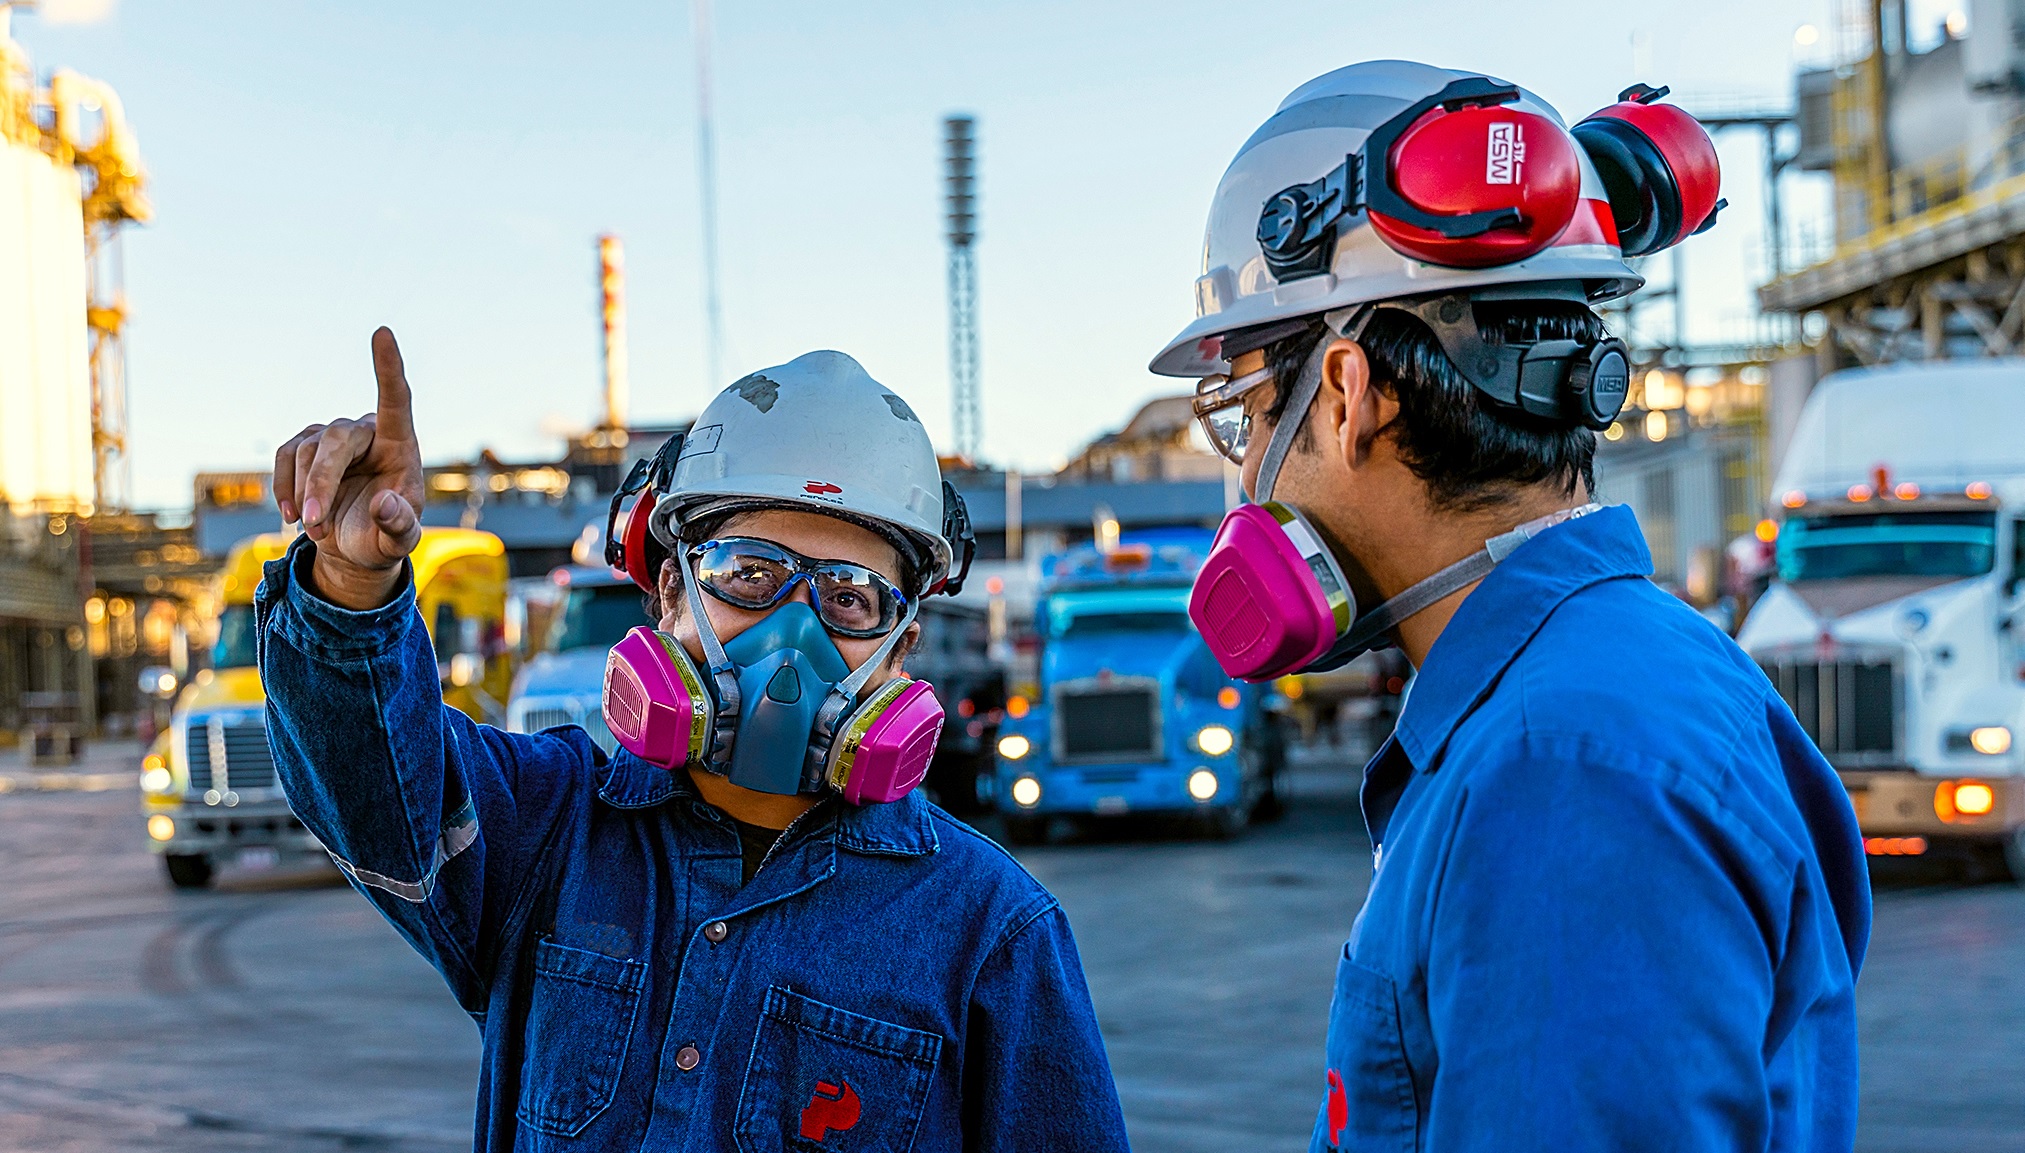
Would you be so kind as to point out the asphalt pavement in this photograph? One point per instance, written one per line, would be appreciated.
(278, 1012)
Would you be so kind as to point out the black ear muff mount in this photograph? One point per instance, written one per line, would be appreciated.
(962, 540)
(1658, 166)
(1580, 382)
(628, 544)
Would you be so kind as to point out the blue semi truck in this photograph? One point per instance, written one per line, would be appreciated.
(1132, 714)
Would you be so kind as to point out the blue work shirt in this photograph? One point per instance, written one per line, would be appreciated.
(888, 980)
(1620, 899)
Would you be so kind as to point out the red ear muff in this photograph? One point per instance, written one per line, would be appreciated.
(1455, 164)
(1659, 169)
(1460, 178)
(632, 539)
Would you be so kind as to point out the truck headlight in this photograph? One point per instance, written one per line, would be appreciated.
(1202, 784)
(1026, 792)
(162, 827)
(1990, 740)
(155, 775)
(1215, 740)
(1012, 747)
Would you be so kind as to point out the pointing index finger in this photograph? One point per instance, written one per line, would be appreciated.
(396, 417)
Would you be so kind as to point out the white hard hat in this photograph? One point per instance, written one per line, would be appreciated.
(1315, 128)
(817, 433)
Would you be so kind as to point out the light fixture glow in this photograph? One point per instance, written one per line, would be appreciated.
(162, 827)
(1012, 746)
(1026, 792)
(156, 780)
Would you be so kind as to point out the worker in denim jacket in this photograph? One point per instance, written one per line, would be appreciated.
(756, 936)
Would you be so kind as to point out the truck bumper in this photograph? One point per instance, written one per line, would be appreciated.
(1901, 812)
(1112, 790)
(219, 833)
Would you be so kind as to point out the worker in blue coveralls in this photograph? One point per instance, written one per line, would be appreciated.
(1619, 899)
(746, 930)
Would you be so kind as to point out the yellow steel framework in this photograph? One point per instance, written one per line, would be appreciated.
(79, 122)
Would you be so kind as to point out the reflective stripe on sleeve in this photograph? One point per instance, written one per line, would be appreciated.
(457, 835)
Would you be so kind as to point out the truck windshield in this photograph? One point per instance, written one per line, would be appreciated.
(1091, 624)
(1920, 544)
(597, 616)
(236, 648)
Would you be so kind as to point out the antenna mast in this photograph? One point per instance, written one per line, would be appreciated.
(960, 168)
(706, 175)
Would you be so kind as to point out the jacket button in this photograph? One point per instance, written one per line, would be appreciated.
(716, 931)
(687, 1058)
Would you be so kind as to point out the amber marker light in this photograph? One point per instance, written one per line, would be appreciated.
(1858, 493)
(1227, 697)
(1767, 531)
(1906, 490)
(1794, 499)
(1016, 707)
(1979, 490)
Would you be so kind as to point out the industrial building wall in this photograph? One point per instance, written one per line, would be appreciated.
(45, 382)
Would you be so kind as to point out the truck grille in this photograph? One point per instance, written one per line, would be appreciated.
(1848, 705)
(230, 754)
(1114, 721)
(534, 716)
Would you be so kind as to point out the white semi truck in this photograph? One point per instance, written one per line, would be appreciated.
(1895, 626)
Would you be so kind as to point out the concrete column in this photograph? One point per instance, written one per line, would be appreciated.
(1791, 382)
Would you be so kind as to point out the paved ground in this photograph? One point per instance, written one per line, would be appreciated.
(279, 1013)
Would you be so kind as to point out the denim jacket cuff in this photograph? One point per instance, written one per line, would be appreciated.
(322, 629)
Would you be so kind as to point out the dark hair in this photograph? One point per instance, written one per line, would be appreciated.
(1470, 454)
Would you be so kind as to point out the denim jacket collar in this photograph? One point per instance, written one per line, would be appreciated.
(899, 829)
(1499, 618)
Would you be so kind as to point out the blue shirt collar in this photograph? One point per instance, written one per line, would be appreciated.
(1499, 618)
(902, 828)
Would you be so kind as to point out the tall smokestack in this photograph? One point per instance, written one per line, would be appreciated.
(612, 300)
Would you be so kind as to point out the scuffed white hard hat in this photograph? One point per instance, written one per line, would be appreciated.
(817, 433)
(1315, 127)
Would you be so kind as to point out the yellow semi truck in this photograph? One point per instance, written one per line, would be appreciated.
(208, 788)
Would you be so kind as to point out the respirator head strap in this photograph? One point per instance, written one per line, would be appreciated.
(842, 698)
(723, 674)
(1346, 324)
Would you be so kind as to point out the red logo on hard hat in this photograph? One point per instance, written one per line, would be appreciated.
(821, 486)
(1339, 1109)
(830, 1108)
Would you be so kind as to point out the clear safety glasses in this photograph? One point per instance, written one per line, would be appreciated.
(1220, 406)
(746, 573)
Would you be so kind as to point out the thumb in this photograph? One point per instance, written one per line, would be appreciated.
(400, 527)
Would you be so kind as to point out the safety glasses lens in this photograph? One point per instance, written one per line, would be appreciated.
(755, 574)
(1229, 430)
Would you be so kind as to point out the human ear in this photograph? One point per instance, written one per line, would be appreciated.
(905, 647)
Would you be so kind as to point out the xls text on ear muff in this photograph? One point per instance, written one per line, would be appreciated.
(1658, 166)
(1460, 178)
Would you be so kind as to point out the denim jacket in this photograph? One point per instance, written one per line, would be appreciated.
(1620, 900)
(889, 980)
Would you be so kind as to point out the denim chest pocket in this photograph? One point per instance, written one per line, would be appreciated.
(824, 1079)
(579, 1024)
(1370, 1103)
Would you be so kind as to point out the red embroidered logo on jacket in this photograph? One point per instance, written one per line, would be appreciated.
(830, 1107)
(1339, 1109)
(821, 486)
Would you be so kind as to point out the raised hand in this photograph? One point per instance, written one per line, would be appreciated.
(356, 486)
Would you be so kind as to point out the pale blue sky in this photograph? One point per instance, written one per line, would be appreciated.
(443, 168)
